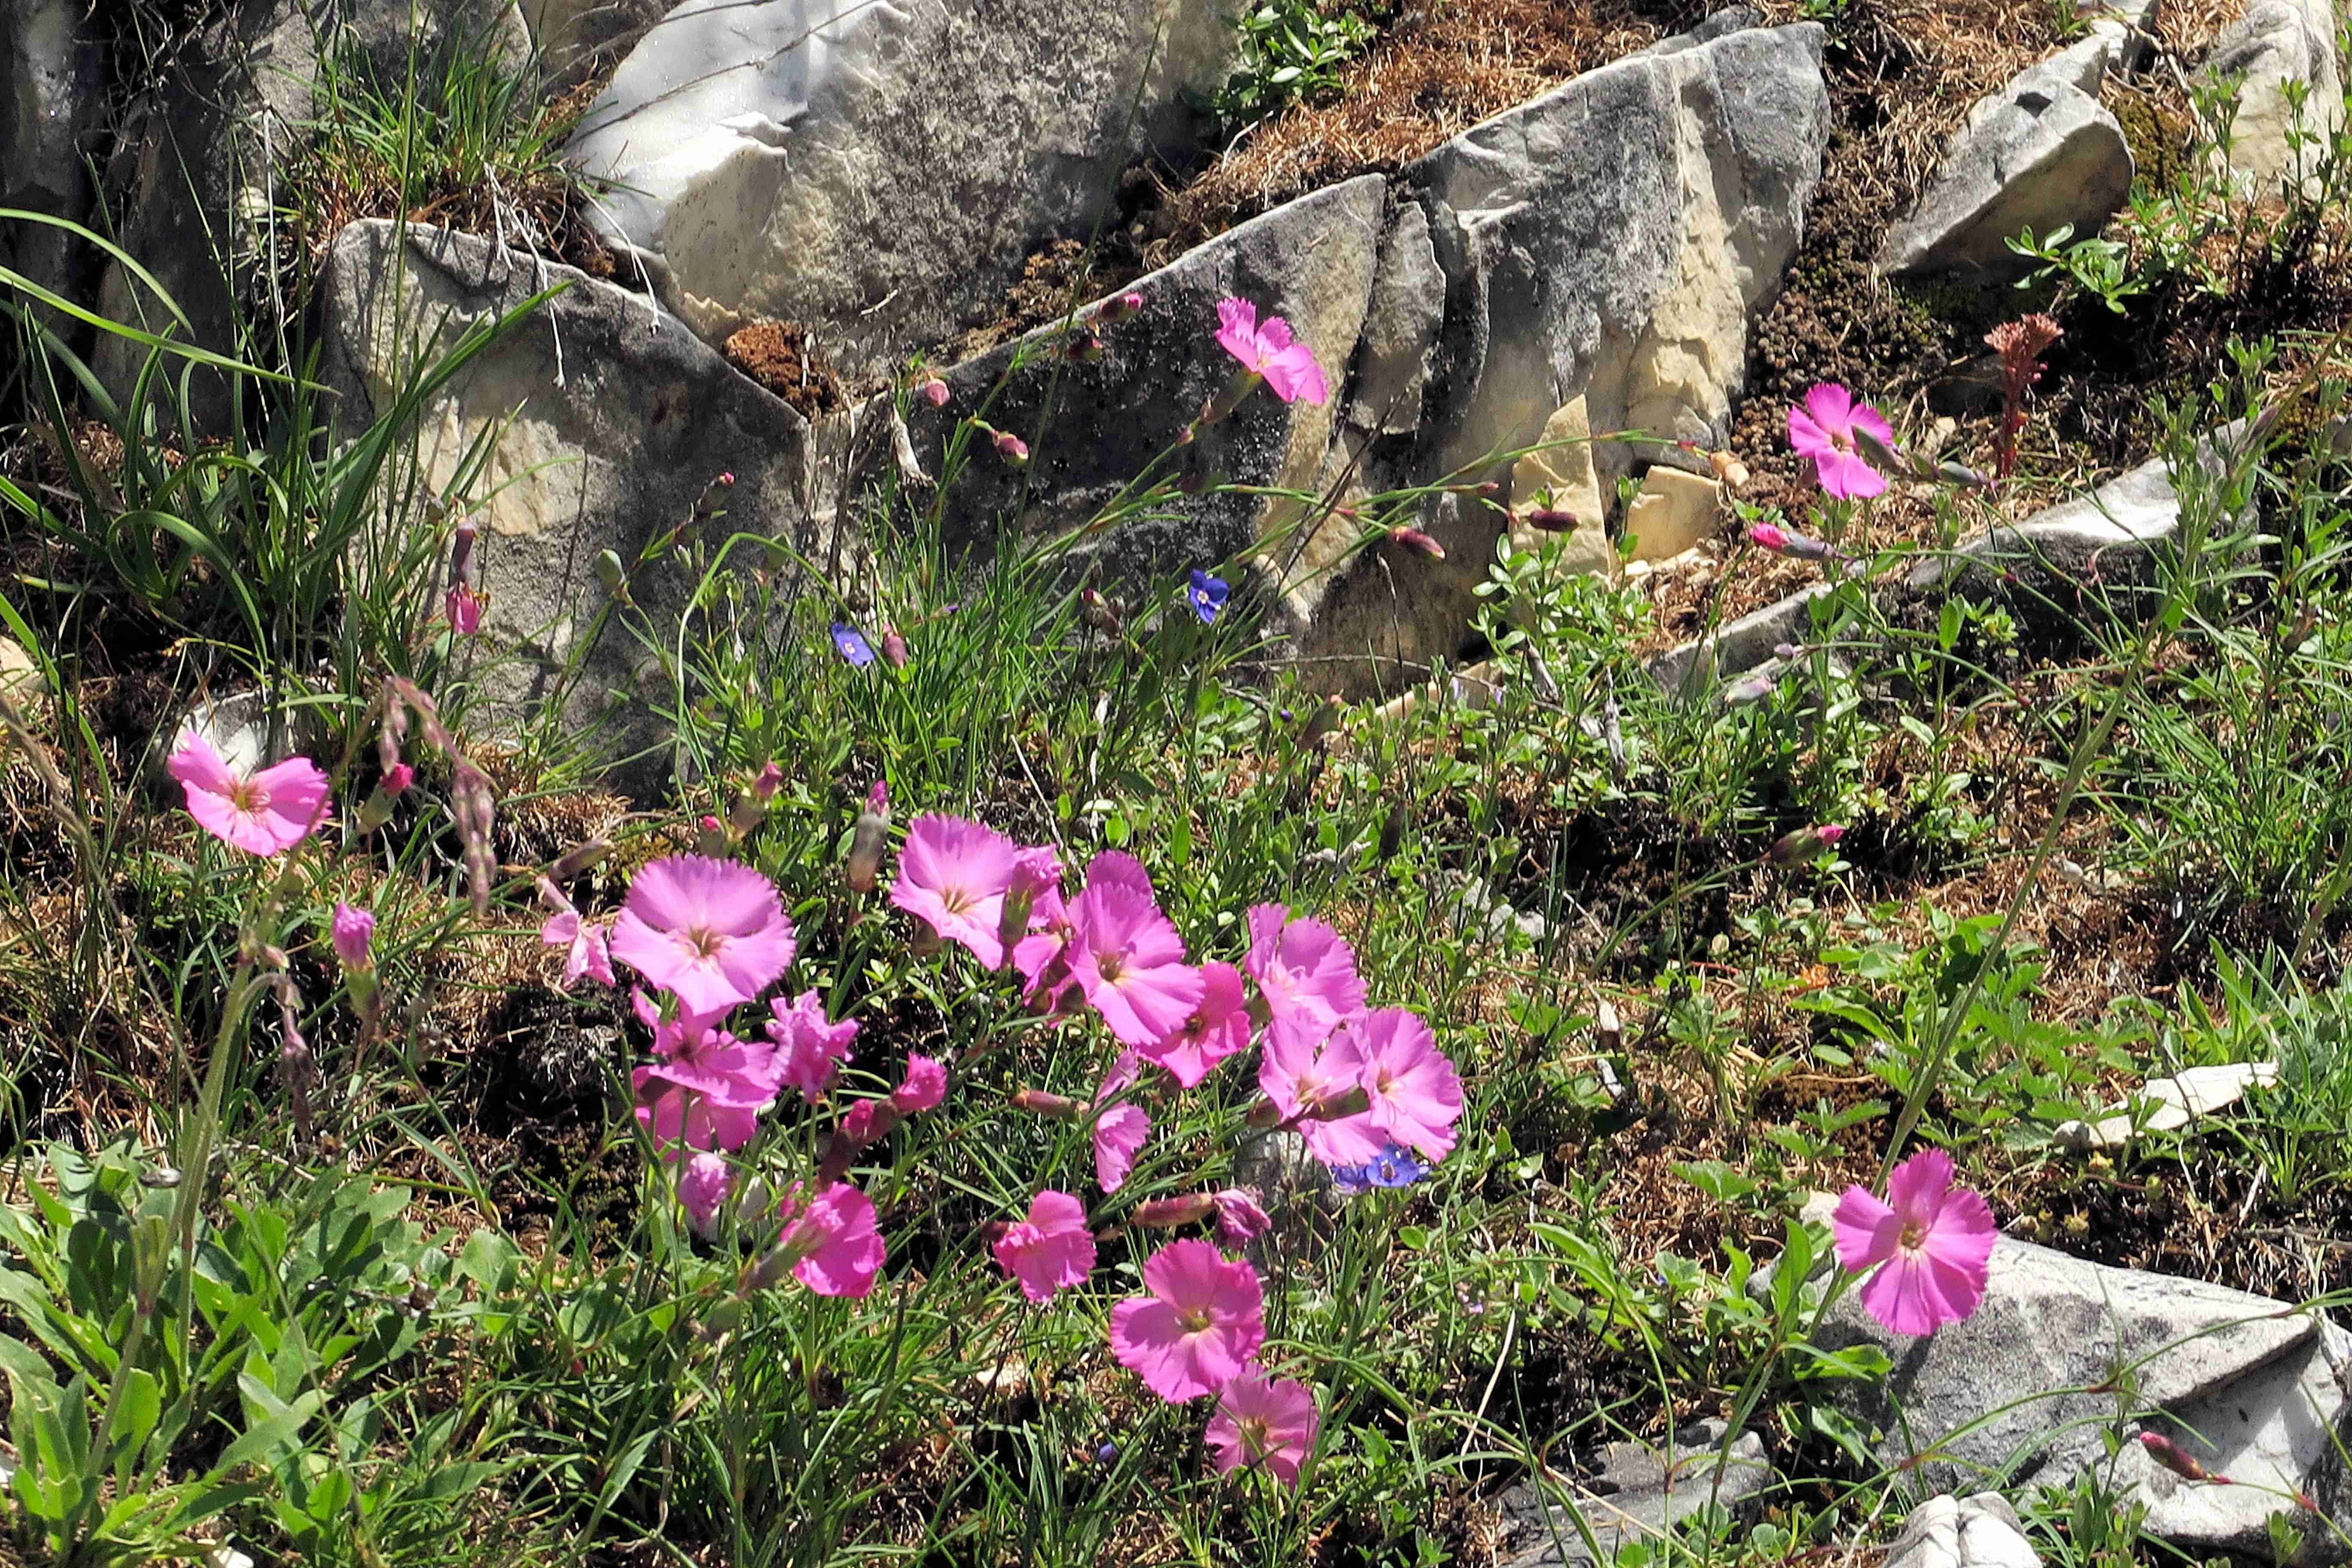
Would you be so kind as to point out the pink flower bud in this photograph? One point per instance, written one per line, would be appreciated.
(1240, 1220)
(353, 931)
(1550, 520)
(1011, 447)
(1421, 543)
(868, 840)
(1083, 348)
(770, 779)
(2177, 1459)
(868, 1121)
(932, 390)
(894, 648)
(1168, 1214)
(1038, 1102)
(1803, 846)
(1765, 536)
(397, 779)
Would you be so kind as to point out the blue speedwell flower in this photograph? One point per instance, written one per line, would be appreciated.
(851, 645)
(1392, 1167)
(1208, 596)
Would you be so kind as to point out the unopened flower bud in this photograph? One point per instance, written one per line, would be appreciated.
(1354, 1101)
(1240, 1219)
(747, 812)
(1011, 447)
(1038, 1102)
(1098, 613)
(710, 839)
(580, 857)
(613, 575)
(932, 390)
(1550, 520)
(868, 839)
(894, 648)
(1878, 452)
(1421, 543)
(1804, 846)
(2177, 1459)
(1168, 1214)
(1754, 689)
(868, 1121)
(1119, 307)
(1191, 482)
(1083, 348)
(1957, 473)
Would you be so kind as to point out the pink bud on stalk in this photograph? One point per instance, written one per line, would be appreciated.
(1039, 1103)
(580, 857)
(1009, 447)
(1083, 348)
(353, 933)
(1550, 520)
(1804, 846)
(1421, 543)
(472, 803)
(894, 648)
(710, 838)
(868, 839)
(932, 390)
(1240, 1220)
(1170, 1213)
(2179, 1460)
(1796, 546)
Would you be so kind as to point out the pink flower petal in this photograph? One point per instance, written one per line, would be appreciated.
(1830, 405)
(1118, 1133)
(1863, 1229)
(1917, 1186)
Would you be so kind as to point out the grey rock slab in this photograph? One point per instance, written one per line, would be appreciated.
(1947, 1531)
(1988, 1395)
(1408, 309)
(1607, 242)
(52, 80)
(876, 169)
(608, 419)
(1737, 646)
(1642, 1492)
(2277, 43)
(2278, 1433)
(2039, 154)
(1311, 262)
(193, 169)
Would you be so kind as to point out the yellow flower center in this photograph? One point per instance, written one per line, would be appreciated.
(1914, 1236)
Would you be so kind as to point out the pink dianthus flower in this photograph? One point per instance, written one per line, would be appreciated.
(1306, 973)
(1263, 1423)
(1201, 1321)
(1306, 1079)
(925, 1085)
(712, 931)
(1269, 351)
(952, 875)
(1931, 1247)
(1416, 1095)
(1218, 1027)
(703, 1187)
(837, 1248)
(264, 812)
(1822, 427)
(1050, 1249)
(809, 1051)
(1125, 955)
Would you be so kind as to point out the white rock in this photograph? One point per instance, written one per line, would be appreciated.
(1947, 1531)
(2176, 1102)
(2039, 154)
(873, 169)
(1673, 513)
(2276, 43)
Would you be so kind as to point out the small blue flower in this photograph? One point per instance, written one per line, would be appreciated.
(851, 645)
(1208, 596)
(1352, 1181)
(1106, 1453)
(1394, 1168)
